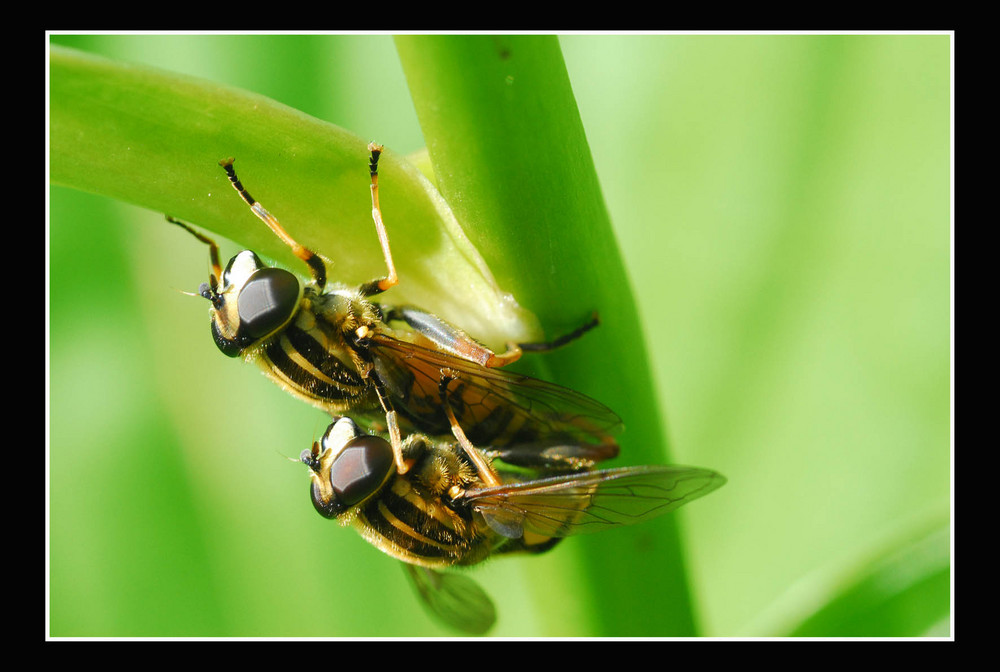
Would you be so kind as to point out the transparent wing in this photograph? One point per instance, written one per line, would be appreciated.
(591, 501)
(455, 599)
(493, 406)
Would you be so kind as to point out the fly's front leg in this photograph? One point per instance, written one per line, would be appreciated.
(483, 467)
(316, 265)
(380, 285)
(215, 268)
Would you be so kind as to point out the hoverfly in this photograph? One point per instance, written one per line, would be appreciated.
(334, 347)
(442, 514)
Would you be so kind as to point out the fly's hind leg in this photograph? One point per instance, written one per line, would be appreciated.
(515, 350)
(564, 339)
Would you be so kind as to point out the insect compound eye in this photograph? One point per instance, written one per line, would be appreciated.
(230, 347)
(266, 302)
(361, 469)
(227, 333)
(328, 507)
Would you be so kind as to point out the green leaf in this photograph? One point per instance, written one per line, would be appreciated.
(154, 139)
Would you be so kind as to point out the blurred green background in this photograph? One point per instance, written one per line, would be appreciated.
(783, 207)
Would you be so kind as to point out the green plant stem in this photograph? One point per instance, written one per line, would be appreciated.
(511, 157)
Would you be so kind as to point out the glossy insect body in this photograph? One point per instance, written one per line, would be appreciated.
(440, 513)
(401, 369)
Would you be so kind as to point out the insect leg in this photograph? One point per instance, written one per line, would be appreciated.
(215, 272)
(396, 441)
(316, 266)
(380, 285)
(515, 350)
(392, 425)
(483, 468)
(564, 339)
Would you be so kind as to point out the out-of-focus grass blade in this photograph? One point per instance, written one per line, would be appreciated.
(900, 589)
(903, 593)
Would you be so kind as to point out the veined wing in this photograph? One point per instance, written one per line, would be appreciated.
(591, 501)
(492, 405)
(455, 599)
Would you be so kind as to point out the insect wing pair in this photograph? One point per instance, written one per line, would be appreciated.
(440, 514)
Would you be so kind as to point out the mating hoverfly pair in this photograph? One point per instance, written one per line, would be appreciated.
(477, 461)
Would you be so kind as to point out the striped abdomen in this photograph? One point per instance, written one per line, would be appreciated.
(420, 530)
(314, 365)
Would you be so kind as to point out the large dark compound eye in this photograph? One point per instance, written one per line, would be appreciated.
(230, 347)
(357, 473)
(254, 302)
(361, 469)
(267, 302)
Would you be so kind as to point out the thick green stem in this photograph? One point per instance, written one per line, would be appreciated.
(511, 157)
